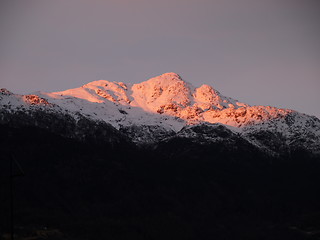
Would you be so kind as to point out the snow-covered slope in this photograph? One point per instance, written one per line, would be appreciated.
(160, 100)
(161, 106)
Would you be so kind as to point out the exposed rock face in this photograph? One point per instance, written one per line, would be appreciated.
(4, 91)
(35, 100)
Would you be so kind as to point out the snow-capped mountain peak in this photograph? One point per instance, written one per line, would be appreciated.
(96, 91)
(157, 100)
(164, 90)
(166, 94)
(165, 104)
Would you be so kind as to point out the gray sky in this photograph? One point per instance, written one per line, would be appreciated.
(262, 52)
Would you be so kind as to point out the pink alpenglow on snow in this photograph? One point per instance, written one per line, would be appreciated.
(166, 100)
(167, 103)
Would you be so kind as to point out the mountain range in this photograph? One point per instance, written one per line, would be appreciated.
(160, 159)
(166, 107)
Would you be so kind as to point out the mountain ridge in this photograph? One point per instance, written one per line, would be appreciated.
(100, 166)
(153, 110)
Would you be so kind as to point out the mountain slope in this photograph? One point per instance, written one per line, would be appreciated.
(151, 111)
(156, 160)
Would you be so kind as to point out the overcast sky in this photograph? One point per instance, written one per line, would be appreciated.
(262, 52)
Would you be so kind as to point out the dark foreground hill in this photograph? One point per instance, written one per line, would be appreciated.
(179, 189)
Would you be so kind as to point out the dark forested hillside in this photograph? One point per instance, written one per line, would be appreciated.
(178, 189)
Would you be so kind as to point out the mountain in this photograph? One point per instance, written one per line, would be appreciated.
(166, 107)
(161, 159)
